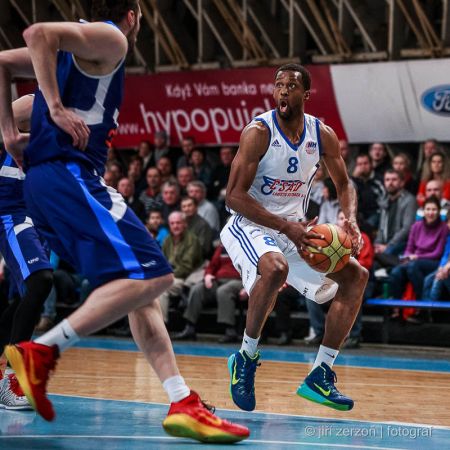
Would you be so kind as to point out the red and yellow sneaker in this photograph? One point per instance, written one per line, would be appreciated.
(32, 364)
(191, 418)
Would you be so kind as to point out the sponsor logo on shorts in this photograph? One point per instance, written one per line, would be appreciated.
(282, 188)
(151, 263)
(305, 291)
(33, 260)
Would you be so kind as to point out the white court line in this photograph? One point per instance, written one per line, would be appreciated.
(153, 438)
(352, 383)
(406, 424)
(308, 363)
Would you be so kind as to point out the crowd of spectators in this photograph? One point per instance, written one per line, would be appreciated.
(179, 194)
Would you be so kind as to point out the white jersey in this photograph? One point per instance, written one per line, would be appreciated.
(284, 176)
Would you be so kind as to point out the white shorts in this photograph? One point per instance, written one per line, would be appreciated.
(246, 242)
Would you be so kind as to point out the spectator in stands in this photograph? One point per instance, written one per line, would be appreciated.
(426, 149)
(197, 225)
(425, 246)
(330, 206)
(145, 151)
(220, 174)
(437, 284)
(110, 179)
(184, 253)
(116, 169)
(184, 176)
(369, 189)
(187, 145)
(113, 157)
(135, 174)
(434, 188)
(155, 225)
(197, 190)
(380, 158)
(317, 312)
(170, 199)
(288, 298)
(437, 167)
(202, 169)
(160, 143)
(348, 155)
(219, 180)
(402, 164)
(164, 165)
(126, 188)
(398, 211)
(222, 285)
(151, 197)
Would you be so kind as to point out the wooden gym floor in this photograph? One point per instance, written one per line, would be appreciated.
(107, 396)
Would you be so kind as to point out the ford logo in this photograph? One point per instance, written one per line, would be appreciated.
(437, 100)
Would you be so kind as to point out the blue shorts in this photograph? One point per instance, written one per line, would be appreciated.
(89, 224)
(21, 248)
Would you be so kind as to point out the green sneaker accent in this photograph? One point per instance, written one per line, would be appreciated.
(307, 393)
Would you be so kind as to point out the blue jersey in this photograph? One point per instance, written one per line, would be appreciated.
(96, 99)
(11, 186)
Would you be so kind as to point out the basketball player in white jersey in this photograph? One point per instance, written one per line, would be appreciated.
(268, 192)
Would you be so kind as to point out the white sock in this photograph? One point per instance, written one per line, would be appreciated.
(249, 344)
(62, 335)
(176, 388)
(327, 355)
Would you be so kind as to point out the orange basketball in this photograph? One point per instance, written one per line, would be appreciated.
(336, 249)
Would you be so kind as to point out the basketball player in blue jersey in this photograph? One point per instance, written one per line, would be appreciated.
(26, 259)
(268, 192)
(80, 72)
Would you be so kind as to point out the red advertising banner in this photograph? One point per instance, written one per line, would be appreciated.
(212, 105)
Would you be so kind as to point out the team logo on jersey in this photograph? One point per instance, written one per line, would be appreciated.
(281, 188)
(275, 143)
(310, 147)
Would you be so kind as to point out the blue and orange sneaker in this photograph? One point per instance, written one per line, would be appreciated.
(242, 368)
(319, 387)
(32, 364)
(192, 418)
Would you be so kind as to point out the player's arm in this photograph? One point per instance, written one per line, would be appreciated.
(13, 64)
(98, 43)
(252, 146)
(345, 190)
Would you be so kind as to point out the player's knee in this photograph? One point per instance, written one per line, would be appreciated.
(278, 272)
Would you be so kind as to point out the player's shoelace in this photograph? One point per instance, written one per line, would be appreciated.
(330, 378)
(246, 374)
(208, 406)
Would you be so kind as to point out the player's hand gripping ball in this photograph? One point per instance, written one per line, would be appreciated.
(336, 247)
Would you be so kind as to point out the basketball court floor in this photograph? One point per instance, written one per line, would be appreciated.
(106, 396)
